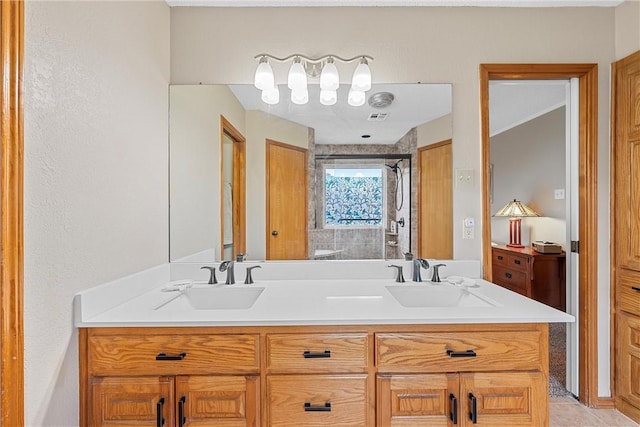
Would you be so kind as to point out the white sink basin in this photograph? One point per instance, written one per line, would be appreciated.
(221, 297)
(429, 295)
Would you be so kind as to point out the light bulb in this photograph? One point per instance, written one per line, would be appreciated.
(361, 80)
(329, 77)
(297, 79)
(263, 79)
(328, 97)
(356, 98)
(271, 96)
(300, 96)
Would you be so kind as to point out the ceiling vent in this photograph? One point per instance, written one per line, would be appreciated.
(377, 117)
(381, 99)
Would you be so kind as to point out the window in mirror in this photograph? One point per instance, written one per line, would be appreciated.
(354, 196)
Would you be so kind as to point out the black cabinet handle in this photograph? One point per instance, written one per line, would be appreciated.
(181, 418)
(159, 413)
(165, 356)
(473, 415)
(500, 257)
(309, 408)
(453, 415)
(468, 353)
(516, 261)
(635, 288)
(310, 355)
(508, 275)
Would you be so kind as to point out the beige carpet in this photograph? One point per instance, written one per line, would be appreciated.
(557, 360)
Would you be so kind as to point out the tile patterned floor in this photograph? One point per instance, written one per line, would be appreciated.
(568, 412)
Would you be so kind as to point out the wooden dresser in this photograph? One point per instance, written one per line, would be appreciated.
(532, 274)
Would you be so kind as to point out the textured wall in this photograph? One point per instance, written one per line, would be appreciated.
(96, 76)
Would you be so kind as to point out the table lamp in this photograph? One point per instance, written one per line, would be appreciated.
(515, 210)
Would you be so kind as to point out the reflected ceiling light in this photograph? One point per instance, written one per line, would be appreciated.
(303, 68)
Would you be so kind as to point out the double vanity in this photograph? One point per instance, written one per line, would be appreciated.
(312, 344)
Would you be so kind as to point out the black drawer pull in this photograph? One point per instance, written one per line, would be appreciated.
(310, 355)
(516, 261)
(508, 275)
(325, 408)
(500, 257)
(635, 288)
(181, 418)
(165, 356)
(159, 413)
(468, 353)
(473, 415)
(453, 415)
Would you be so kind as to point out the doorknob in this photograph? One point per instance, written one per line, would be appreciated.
(274, 233)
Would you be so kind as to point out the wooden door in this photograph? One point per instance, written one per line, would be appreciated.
(132, 402)
(232, 191)
(435, 202)
(229, 401)
(626, 232)
(425, 400)
(286, 201)
(508, 399)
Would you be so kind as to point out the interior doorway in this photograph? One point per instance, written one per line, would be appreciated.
(586, 314)
(232, 191)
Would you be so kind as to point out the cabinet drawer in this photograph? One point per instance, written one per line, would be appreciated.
(628, 291)
(316, 353)
(459, 351)
(173, 354)
(317, 400)
(518, 262)
(511, 279)
(499, 258)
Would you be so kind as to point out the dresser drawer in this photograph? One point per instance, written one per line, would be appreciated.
(317, 400)
(628, 293)
(459, 351)
(173, 354)
(499, 258)
(316, 353)
(511, 279)
(518, 262)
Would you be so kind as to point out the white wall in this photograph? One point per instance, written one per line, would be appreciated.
(96, 76)
(437, 130)
(528, 165)
(627, 28)
(429, 45)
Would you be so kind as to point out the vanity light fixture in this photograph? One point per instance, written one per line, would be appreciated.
(303, 68)
(515, 210)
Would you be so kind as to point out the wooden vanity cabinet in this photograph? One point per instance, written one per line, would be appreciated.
(315, 376)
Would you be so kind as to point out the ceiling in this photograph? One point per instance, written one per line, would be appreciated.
(413, 105)
(397, 3)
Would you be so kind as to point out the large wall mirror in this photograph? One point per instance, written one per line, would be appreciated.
(310, 181)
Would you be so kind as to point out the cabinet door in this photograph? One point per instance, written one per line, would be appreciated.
(133, 401)
(229, 401)
(427, 400)
(504, 399)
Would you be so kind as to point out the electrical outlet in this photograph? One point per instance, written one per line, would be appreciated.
(468, 229)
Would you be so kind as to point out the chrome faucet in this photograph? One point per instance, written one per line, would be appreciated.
(417, 264)
(228, 267)
(212, 275)
(399, 276)
(436, 274)
(249, 280)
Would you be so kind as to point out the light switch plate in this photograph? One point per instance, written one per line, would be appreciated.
(464, 178)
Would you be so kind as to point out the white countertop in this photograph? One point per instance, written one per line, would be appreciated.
(320, 302)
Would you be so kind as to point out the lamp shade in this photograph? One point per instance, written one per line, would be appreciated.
(361, 80)
(263, 78)
(356, 98)
(329, 77)
(297, 78)
(516, 208)
(271, 96)
(300, 96)
(328, 97)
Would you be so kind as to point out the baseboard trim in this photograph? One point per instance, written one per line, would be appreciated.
(605, 403)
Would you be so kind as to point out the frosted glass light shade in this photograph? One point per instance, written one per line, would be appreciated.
(297, 79)
(361, 80)
(271, 96)
(356, 98)
(328, 97)
(329, 77)
(300, 96)
(263, 78)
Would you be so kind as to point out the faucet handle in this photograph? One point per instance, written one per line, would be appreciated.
(212, 274)
(249, 279)
(436, 273)
(399, 275)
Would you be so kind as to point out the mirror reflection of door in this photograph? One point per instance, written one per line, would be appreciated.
(435, 216)
(286, 201)
(232, 191)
